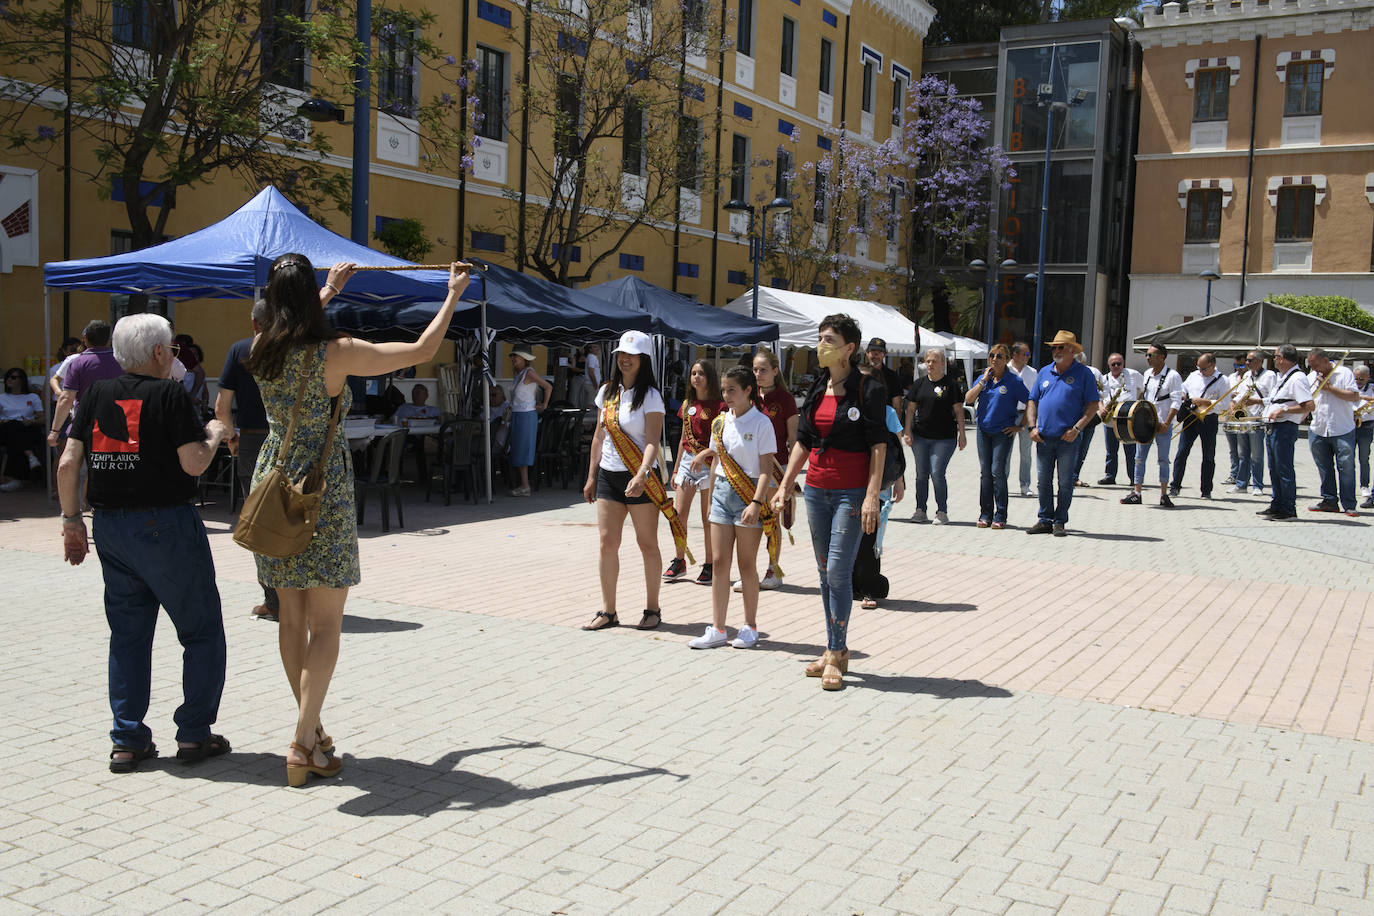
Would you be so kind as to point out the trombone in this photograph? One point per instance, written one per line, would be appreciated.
(1326, 378)
(1198, 415)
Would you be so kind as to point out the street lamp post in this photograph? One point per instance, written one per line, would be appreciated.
(756, 243)
(1045, 98)
(1209, 275)
(990, 290)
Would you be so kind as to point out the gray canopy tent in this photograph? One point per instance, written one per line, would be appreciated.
(1261, 325)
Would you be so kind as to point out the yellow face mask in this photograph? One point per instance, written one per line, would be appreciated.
(830, 356)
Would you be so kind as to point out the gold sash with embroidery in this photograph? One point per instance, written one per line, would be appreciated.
(744, 487)
(633, 456)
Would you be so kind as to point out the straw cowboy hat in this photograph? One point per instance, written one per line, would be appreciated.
(1067, 337)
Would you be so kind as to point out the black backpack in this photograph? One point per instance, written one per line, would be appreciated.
(894, 465)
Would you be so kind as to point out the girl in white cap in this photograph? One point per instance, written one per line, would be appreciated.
(524, 426)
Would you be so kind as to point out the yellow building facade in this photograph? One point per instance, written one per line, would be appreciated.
(772, 98)
(1297, 75)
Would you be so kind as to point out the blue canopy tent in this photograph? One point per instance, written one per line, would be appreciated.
(677, 317)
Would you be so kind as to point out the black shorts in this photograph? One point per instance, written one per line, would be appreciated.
(611, 485)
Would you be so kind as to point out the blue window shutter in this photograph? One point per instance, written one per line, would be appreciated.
(685, 269)
(631, 261)
(493, 13)
(823, 142)
(829, 18)
(744, 111)
(736, 277)
(488, 241)
(786, 127)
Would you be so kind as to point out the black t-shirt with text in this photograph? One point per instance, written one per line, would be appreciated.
(935, 403)
(132, 427)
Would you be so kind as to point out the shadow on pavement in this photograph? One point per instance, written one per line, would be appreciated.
(1112, 536)
(942, 687)
(924, 607)
(355, 624)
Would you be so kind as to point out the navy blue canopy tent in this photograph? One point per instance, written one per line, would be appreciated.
(677, 317)
(230, 259)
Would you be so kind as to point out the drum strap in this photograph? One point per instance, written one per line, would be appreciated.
(1279, 400)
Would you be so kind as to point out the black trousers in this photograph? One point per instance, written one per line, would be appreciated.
(1206, 430)
(868, 580)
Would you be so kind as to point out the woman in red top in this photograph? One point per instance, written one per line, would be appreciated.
(842, 438)
(699, 408)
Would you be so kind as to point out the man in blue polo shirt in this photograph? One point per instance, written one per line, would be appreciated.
(1061, 404)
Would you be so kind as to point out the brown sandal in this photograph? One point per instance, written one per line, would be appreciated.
(817, 668)
(831, 677)
(297, 773)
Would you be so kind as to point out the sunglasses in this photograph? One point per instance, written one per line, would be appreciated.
(997, 356)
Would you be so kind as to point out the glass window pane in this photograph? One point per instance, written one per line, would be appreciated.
(827, 50)
(745, 35)
(789, 46)
(739, 167)
(1075, 69)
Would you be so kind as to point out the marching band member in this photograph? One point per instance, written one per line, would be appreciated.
(1203, 387)
(1233, 382)
(1062, 402)
(1118, 384)
(1164, 388)
(1283, 410)
(742, 447)
(1250, 398)
(1364, 431)
(1331, 433)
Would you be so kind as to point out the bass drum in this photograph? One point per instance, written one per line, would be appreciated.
(1135, 422)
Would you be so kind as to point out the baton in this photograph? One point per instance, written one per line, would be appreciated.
(470, 267)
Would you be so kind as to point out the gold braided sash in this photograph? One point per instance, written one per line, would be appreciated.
(633, 456)
(744, 486)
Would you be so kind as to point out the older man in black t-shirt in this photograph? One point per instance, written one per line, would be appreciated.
(144, 447)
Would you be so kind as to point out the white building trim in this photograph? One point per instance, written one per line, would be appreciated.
(1226, 185)
(1191, 68)
(1327, 55)
(1279, 181)
(1221, 21)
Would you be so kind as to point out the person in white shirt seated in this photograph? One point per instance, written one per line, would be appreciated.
(21, 429)
(418, 408)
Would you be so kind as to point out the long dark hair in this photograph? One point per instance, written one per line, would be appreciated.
(644, 380)
(712, 385)
(17, 370)
(745, 379)
(295, 317)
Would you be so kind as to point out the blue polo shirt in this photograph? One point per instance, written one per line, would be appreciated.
(1061, 399)
(997, 403)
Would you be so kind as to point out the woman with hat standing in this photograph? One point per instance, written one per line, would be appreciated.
(1062, 403)
(524, 427)
(622, 480)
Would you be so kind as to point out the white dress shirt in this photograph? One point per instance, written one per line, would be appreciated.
(1261, 386)
(1332, 416)
(1291, 388)
(1164, 390)
(1207, 388)
(1027, 374)
(1129, 383)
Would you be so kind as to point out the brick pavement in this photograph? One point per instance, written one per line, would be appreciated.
(991, 755)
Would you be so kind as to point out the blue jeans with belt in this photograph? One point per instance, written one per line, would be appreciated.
(1055, 457)
(1278, 443)
(835, 520)
(152, 557)
(994, 461)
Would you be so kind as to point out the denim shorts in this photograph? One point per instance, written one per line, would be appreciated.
(727, 507)
(685, 476)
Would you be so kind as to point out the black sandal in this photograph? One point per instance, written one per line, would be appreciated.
(137, 756)
(213, 746)
(658, 618)
(611, 620)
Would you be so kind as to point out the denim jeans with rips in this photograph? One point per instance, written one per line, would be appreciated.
(835, 520)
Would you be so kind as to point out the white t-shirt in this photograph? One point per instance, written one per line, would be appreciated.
(593, 370)
(749, 440)
(1028, 375)
(1332, 416)
(416, 412)
(60, 370)
(1291, 388)
(20, 406)
(631, 423)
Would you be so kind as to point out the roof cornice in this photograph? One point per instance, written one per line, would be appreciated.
(1236, 20)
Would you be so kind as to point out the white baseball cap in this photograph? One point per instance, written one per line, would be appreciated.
(635, 342)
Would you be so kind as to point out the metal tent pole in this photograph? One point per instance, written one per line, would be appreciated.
(486, 399)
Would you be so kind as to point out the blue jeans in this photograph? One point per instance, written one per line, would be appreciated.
(1084, 440)
(1250, 460)
(932, 457)
(1024, 443)
(1054, 454)
(1142, 457)
(994, 461)
(1363, 435)
(152, 557)
(1341, 451)
(836, 528)
(1233, 449)
(1278, 443)
(1206, 430)
(1112, 443)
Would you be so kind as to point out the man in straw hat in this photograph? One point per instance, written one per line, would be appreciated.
(1061, 404)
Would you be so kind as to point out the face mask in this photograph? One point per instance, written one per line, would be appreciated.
(830, 356)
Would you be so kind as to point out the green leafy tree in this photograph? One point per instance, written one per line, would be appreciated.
(405, 238)
(170, 94)
(1332, 308)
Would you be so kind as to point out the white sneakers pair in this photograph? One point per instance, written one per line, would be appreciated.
(746, 638)
(920, 517)
(766, 584)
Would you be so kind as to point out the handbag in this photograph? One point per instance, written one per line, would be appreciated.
(279, 516)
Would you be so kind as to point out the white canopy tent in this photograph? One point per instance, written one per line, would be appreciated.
(798, 314)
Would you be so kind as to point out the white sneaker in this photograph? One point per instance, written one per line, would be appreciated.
(738, 587)
(942, 518)
(769, 582)
(11, 485)
(1258, 491)
(746, 638)
(711, 639)
(1025, 491)
(34, 463)
(919, 517)
(1239, 488)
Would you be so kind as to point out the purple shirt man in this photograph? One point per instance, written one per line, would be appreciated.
(98, 362)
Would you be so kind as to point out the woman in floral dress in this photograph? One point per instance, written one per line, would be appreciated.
(313, 585)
